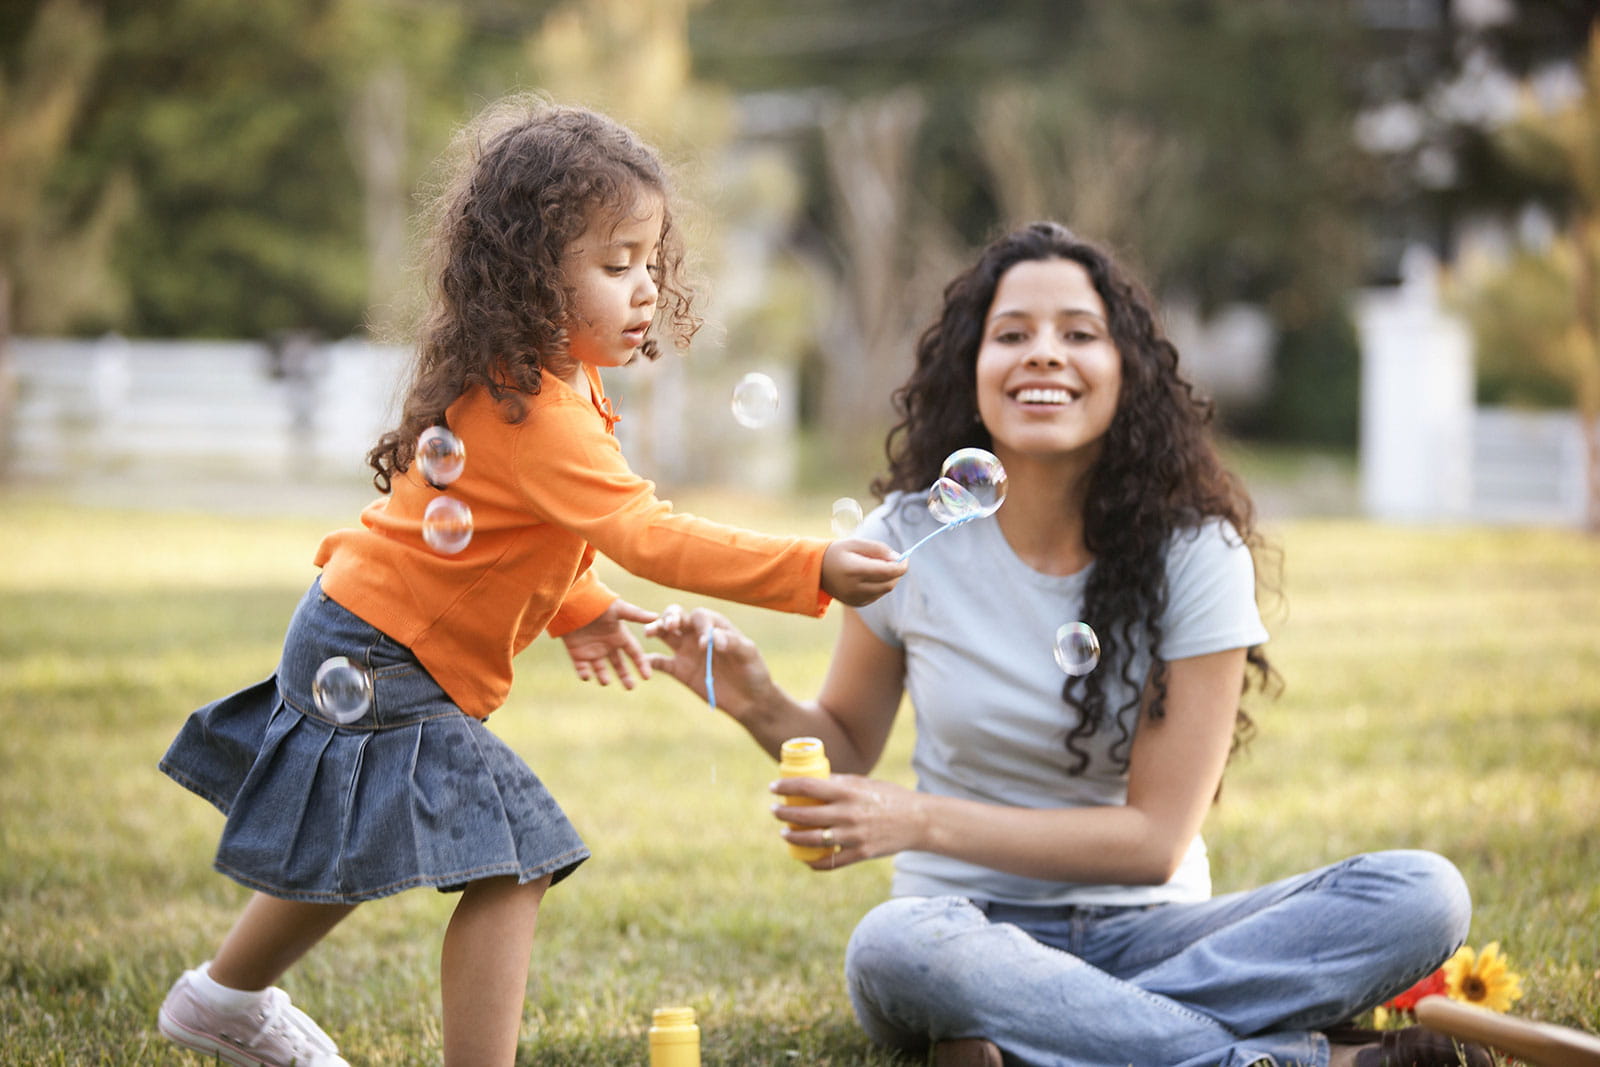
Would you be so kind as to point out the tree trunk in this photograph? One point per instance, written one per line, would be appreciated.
(894, 261)
(378, 130)
(1586, 373)
(8, 383)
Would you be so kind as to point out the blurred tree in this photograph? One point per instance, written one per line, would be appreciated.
(1545, 305)
(1208, 142)
(273, 147)
(56, 232)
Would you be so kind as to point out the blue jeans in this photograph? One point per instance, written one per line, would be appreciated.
(1246, 978)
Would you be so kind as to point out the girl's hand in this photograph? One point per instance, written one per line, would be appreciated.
(857, 572)
(738, 671)
(862, 818)
(606, 645)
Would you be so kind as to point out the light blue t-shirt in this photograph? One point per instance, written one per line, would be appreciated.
(977, 627)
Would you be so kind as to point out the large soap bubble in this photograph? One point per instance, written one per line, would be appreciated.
(971, 485)
(447, 525)
(755, 400)
(441, 456)
(342, 691)
(846, 516)
(1077, 648)
(979, 473)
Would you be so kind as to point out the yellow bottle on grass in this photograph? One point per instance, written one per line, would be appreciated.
(803, 757)
(674, 1038)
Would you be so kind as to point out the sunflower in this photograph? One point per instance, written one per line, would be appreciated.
(1484, 979)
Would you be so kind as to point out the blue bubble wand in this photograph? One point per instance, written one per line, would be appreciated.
(711, 685)
(951, 525)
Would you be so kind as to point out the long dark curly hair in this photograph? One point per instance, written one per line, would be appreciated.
(523, 180)
(1157, 473)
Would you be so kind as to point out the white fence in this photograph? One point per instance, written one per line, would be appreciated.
(119, 413)
(162, 416)
(1528, 467)
(164, 410)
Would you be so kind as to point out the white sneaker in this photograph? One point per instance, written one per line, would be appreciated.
(275, 1033)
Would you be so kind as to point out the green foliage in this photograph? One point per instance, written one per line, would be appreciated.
(1219, 130)
(55, 233)
(1315, 397)
(1521, 315)
(243, 128)
(1443, 691)
(250, 219)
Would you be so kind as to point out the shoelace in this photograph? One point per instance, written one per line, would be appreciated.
(281, 1018)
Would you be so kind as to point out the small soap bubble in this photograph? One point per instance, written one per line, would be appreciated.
(846, 517)
(981, 475)
(755, 400)
(342, 690)
(950, 503)
(441, 456)
(447, 525)
(1077, 648)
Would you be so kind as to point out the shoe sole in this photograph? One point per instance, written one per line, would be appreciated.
(195, 1041)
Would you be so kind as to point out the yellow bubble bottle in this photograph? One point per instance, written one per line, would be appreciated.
(674, 1038)
(803, 757)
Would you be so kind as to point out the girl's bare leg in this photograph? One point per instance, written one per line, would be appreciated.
(269, 936)
(484, 970)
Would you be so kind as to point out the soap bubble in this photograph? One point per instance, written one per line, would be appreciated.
(949, 502)
(342, 691)
(971, 485)
(1077, 648)
(981, 475)
(846, 516)
(755, 400)
(440, 456)
(447, 525)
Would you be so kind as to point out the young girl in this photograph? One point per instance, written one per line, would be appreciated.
(1052, 896)
(554, 254)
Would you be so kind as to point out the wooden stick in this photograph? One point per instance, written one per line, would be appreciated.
(1544, 1044)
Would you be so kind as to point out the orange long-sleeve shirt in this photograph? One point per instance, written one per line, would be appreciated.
(545, 494)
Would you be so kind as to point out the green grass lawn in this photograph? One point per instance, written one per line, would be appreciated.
(1442, 691)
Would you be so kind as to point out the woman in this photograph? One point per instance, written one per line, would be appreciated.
(1052, 901)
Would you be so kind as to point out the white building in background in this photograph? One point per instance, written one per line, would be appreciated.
(1428, 452)
(1416, 400)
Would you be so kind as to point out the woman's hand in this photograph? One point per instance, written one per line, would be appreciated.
(860, 818)
(857, 571)
(606, 645)
(738, 672)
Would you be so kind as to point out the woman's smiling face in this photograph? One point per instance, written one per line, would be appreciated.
(1048, 373)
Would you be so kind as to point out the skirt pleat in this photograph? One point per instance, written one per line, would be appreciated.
(414, 793)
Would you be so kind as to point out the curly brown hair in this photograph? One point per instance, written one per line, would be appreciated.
(1158, 472)
(524, 179)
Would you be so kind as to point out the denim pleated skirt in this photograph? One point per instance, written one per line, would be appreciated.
(413, 793)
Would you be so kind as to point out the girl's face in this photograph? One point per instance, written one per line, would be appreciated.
(1048, 373)
(611, 268)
